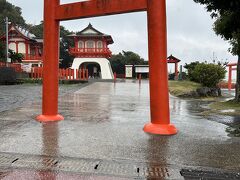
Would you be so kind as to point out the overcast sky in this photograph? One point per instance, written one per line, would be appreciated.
(190, 34)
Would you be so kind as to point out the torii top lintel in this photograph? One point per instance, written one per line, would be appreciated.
(94, 8)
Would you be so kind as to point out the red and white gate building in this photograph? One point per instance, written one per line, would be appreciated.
(91, 52)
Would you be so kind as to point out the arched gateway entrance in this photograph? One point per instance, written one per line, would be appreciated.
(54, 12)
(102, 65)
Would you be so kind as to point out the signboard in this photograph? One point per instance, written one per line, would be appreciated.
(142, 69)
(26, 67)
(128, 71)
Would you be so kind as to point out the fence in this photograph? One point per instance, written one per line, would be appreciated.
(122, 76)
(63, 74)
(16, 67)
(225, 85)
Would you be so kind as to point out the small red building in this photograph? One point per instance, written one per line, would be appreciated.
(22, 41)
(91, 52)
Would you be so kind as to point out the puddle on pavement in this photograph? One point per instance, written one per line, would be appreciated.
(228, 111)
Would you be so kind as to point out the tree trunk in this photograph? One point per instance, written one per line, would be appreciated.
(237, 95)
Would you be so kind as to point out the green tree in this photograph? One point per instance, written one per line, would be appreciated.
(37, 30)
(227, 25)
(190, 68)
(2, 51)
(119, 61)
(65, 43)
(15, 57)
(208, 74)
(14, 14)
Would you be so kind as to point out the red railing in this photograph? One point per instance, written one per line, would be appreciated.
(63, 74)
(16, 67)
(31, 57)
(122, 76)
(96, 52)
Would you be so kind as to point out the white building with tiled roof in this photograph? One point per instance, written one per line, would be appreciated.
(22, 41)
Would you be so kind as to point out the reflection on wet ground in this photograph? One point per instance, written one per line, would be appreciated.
(103, 130)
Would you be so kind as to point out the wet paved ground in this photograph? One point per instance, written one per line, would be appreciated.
(102, 138)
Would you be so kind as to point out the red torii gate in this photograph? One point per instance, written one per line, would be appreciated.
(230, 69)
(172, 59)
(54, 12)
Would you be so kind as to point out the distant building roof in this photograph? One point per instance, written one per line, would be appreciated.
(172, 59)
(90, 31)
(23, 32)
(39, 40)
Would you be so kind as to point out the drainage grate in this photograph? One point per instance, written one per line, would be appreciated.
(85, 166)
(209, 175)
(76, 165)
(155, 171)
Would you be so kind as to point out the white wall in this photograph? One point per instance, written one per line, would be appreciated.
(142, 69)
(16, 39)
(21, 48)
(12, 46)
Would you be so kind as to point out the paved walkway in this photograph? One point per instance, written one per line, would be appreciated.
(102, 133)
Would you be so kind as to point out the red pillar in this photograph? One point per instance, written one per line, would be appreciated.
(50, 60)
(84, 70)
(16, 47)
(76, 43)
(76, 72)
(26, 50)
(230, 78)
(37, 69)
(176, 71)
(67, 74)
(36, 52)
(115, 76)
(79, 74)
(159, 97)
(32, 73)
(64, 73)
(86, 74)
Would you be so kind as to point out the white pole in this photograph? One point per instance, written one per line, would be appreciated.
(7, 59)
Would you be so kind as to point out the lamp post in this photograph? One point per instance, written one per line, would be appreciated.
(7, 47)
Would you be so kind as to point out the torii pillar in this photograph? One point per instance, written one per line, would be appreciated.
(50, 64)
(157, 34)
(159, 94)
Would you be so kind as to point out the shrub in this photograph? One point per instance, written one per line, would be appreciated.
(15, 57)
(171, 76)
(190, 67)
(208, 75)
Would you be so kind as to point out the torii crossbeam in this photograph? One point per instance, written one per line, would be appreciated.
(54, 12)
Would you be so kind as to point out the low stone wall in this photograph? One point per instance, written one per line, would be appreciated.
(203, 92)
(7, 76)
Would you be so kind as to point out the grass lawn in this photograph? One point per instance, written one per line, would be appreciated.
(178, 88)
(226, 108)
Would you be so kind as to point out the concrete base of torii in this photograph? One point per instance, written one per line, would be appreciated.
(105, 66)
